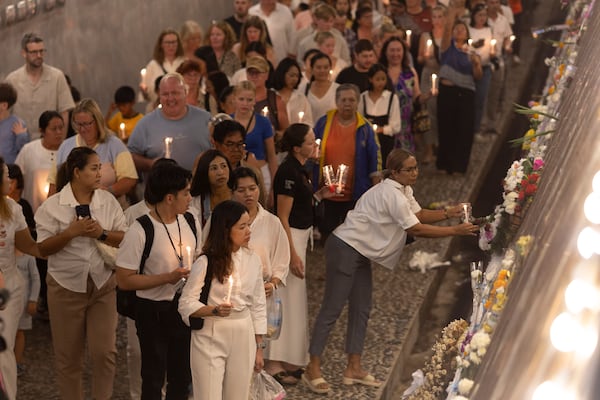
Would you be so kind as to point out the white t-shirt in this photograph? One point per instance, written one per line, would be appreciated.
(484, 33)
(71, 266)
(8, 228)
(135, 211)
(500, 30)
(35, 162)
(320, 106)
(377, 225)
(162, 258)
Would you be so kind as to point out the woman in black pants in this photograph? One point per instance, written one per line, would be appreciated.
(456, 99)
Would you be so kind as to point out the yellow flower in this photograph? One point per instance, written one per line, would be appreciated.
(551, 89)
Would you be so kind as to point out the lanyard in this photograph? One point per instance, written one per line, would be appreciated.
(180, 254)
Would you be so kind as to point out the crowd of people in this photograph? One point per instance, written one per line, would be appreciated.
(285, 122)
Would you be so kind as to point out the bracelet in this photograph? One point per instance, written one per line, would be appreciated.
(215, 311)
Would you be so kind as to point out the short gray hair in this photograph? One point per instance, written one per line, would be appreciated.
(30, 37)
(344, 87)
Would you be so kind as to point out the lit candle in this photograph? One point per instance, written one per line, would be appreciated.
(122, 130)
(434, 84)
(341, 178)
(228, 298)
(143, 74)
(408, 36)
(188, 251)
(428, 48)
(470, 42)
(493, 47)
(300, 116)
(510, 43)
(466, 210)
(46, 188)
(168, 142)
(318, 149)
(375, 128)
(265, 111)
(327, 177)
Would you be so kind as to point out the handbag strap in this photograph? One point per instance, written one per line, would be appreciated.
(207, 281)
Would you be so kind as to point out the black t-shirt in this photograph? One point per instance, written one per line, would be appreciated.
(292, 180)
(351, 75)
(235, 25)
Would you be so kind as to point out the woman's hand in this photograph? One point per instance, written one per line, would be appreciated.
(325, 193)
(455, 212)
(83, 227)
(259, 362)
(177, 274)
(31, 308)
(223, 310)
(18, 128)
(296, 266)
(466, 229)
(269, 287)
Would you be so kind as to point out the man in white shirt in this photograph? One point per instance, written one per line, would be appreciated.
(40, 87)
(164, 339)
(280, 23)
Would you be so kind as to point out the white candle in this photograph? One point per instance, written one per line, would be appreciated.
(408, 36)
(428, 48)
(300, 116)
(318, 149)
(493, 47)
(168, 142)
(188, 251)
(265, 111)
(143, 74)
(510, 44)
(122, 130)
(466, 210)
(327, 174)
(375, 128)
(434, 84)
(340, 181)
(46, 188)
(228, 298)
(470, 42)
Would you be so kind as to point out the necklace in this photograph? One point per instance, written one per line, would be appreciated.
(180, 254)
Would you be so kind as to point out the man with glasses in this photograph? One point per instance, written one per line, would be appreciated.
(40, 87)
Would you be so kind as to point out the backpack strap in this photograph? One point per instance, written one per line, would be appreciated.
(364, 99)
(189, 217)
(146, 223)
(207, 281)
(392, 94)
(272, 105)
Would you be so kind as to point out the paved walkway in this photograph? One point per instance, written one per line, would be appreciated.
(400, 297)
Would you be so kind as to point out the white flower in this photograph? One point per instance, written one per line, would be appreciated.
(476, 274)
(475, 358)
(460, 398)
(509, 259)
(572, 57)
(510, 202)
(555, 97)
(480, 339)
(464, 386)
(481, 352)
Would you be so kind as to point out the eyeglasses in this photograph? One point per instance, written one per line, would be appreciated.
(40, 52)
(235, 145)
(410, 170)
(170, 42)
(84, 124)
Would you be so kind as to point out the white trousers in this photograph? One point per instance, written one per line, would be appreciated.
(15, 284)
(222, 357)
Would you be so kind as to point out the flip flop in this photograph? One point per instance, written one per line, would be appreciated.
(313, 384)
(367, 380)
(285, 379)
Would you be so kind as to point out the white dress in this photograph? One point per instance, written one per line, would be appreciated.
(35, 162)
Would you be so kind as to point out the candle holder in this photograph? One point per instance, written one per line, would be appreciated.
(328, 177)
(168, 146)
(467, 212)
(341, 176)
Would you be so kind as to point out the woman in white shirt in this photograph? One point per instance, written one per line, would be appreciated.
(14, 235)
(382, 108)
(233, 309)
(71, 224)
(167, 57)
(374, 231)
(320, 91)
(269, 241)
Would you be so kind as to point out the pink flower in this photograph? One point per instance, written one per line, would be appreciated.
(538, 164)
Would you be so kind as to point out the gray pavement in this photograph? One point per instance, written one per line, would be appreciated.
(400, 301)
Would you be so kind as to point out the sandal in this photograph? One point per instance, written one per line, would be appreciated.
(315, 385)
(367, 380)
(284, 378)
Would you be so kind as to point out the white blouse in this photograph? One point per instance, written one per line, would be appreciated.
(8, 228)
(247, 291)
(71, 265)
(380, 107)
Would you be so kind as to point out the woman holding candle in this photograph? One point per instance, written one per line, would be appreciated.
(81, 286)
(294, 206)
(168, 55)
(16, 235)
(210, 184)
(259, 132)
(382, 108)
(481, 34)
(119, 175)
(374, 231)
(429, 57)
(221, 38)
(287, 80)
(456, 99)
(228, 346)
(395, 58)
(320, 91)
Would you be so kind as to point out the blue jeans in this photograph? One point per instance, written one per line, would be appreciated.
(482, 87)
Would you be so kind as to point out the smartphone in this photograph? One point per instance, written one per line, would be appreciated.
(83, 211)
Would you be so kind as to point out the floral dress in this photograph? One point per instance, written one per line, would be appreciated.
(405, 89)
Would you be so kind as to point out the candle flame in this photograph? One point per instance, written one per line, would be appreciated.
(46, 188)
(143, 72)
(512, 38)
(265, 111)
(301, 115)
(429, 42)
(470, 42)
(122, 126)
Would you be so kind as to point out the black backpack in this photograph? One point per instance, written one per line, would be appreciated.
(126, 299)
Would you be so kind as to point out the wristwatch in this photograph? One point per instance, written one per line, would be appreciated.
(215, 311)
(261, 345)
(104, 235)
